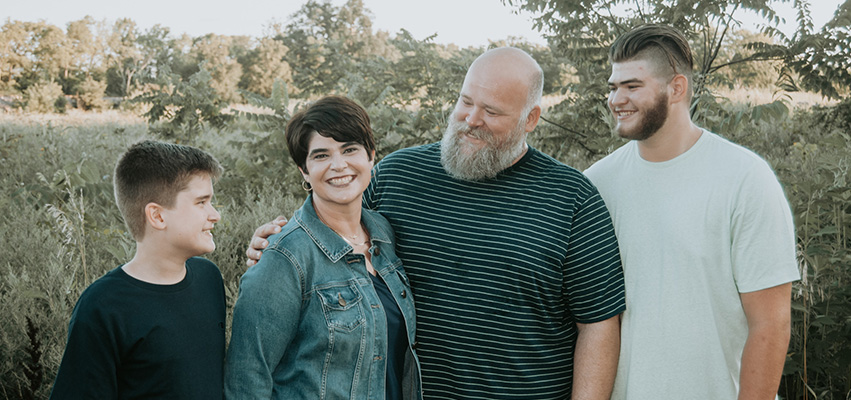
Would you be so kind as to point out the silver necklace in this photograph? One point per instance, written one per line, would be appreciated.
(354, 237)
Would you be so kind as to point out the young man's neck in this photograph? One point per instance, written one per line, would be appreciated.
(671, 140)
(155, 263)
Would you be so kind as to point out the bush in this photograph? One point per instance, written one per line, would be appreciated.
(45, 98)
(91, 95)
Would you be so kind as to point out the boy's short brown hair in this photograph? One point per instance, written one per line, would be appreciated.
(155, 172)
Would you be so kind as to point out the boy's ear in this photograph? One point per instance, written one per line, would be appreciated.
(154, 216)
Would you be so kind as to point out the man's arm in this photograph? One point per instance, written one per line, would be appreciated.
(258, 241)
(596, 359)
(769, 318)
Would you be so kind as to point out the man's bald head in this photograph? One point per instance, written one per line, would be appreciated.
(512, 66)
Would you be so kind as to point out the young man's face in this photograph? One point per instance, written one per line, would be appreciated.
(638, 99)
(190, 221)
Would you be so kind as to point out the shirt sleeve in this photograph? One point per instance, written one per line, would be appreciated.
(763, 234)
(594, 282)
(265, 321)
(370, 197)
(90, 363)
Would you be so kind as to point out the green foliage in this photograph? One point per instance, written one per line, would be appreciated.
(182, 108)
(810, 156)
(264, 65)
(741, 69)
(327, 42)
(91, 95)
(44, 98)
(214, 52)
(55, 243)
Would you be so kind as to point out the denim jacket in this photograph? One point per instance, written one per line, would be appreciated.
(308, 323)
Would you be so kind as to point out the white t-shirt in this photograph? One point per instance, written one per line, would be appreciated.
(694, 232)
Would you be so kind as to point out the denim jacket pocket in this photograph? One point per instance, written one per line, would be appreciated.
(341, 303)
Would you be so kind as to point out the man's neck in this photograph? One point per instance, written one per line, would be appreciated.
(670, 141)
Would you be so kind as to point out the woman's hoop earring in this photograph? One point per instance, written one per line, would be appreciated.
(306, 186)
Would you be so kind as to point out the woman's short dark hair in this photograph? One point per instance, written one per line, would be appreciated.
(336, 117)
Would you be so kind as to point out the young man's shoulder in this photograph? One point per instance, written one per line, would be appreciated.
(732, 152)
(610, 161)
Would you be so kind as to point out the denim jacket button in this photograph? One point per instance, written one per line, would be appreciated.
(341, 300)
(377, 251)
(404, 293)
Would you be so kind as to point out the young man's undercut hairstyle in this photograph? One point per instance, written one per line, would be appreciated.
(656, 43)
(335, 117)
(155, 172)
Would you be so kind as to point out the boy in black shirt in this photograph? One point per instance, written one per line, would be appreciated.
(154, 327)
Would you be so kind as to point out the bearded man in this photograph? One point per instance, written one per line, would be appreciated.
(706, 236)
(511, 255)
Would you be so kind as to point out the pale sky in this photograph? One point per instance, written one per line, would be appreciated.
(463, 22)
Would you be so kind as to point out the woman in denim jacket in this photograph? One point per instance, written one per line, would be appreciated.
(327, 313)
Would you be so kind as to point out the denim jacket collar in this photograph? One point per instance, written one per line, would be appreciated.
(331, 244)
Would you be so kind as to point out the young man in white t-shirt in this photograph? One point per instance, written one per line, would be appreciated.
(705, 233)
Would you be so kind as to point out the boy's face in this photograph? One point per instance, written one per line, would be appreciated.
(190, 221)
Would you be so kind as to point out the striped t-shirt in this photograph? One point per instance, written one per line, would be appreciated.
(501, 270)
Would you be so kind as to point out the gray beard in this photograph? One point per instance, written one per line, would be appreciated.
(464, 163)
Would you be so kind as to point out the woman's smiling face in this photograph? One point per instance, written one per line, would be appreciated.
(338, 172)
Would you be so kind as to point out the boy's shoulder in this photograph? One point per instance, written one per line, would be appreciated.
(202, 264)
(113, 280)
(102, 294)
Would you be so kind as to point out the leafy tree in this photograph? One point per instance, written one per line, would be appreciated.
(21, 52)
(52, 53)
(87, 46)
(223, 68)
(263, 65)
(183, 107)
(131, 53)
(91, 95)
(742, 73)
(14, 51)
(821, 61)
(327, 42)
